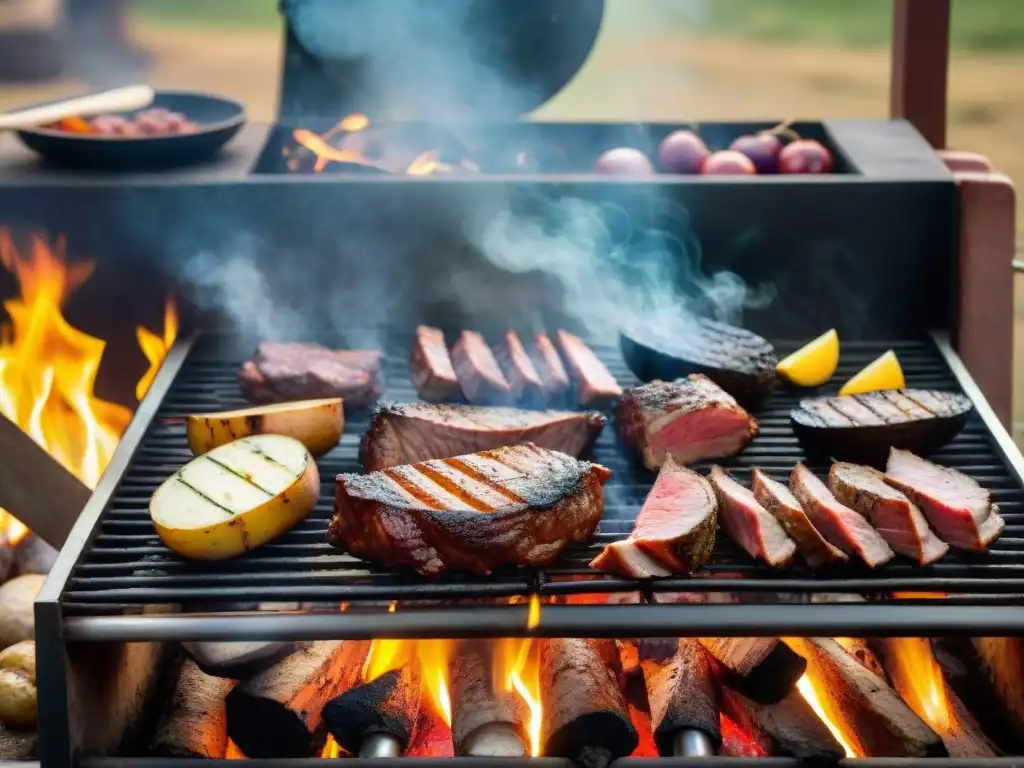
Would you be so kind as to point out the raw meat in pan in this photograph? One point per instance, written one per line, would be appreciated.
(431, 368)
(749, 524)
(287, 371)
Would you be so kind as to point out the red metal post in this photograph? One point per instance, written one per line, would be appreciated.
(920, 65)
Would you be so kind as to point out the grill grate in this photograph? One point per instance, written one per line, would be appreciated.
(127, 566)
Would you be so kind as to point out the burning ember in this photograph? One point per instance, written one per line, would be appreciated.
(48, 368)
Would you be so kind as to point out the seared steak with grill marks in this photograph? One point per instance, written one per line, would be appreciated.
(749, 524)
(960, 509)
(783, 506)
(287, 371)
(674, 532)
(480, 378)
(690, 420)
(516, 505)
(893, 515)
(862, 428)
(595, 385)
(838, 523)
(553, 375)
(739, 361)
(407, 433)
(431, 367)
(520, 372)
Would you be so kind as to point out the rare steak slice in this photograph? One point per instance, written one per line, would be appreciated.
(288, 371)
(961, 511)
(515, 505)
(595, 385)
(520, 373)
(690, 420)
(845, 528)
(749, 524)
(553, 375)
(674, 532)
(431, 368)
(893, 515)
(480, 378)
(783, 506)
(409, 432)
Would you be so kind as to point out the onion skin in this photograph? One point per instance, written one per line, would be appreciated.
(682, 152)
(624, 161)
(805, 156)
(763, 149)
(729, 163)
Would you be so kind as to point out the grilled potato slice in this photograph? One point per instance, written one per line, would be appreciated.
(317, 424)
(236, 497)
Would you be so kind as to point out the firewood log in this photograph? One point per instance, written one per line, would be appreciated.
(789, 727)
(763, 668)
(487, 721)
(195, 721)
(681, 692)
(385, 707)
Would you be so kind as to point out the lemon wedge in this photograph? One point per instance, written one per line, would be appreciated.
(814, 363)
(883, 373)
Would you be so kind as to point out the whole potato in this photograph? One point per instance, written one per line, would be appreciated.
(17, 615)
(18, 705)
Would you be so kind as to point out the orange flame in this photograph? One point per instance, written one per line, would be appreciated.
(155, 348)
(918, 678)
(426, 164)
(432, 656)
(517, 668)
(810, 693)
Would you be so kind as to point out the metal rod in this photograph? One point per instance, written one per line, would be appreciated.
(693, 743)
(381, 745)
(495, 740)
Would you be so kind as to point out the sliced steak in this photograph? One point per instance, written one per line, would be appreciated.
(749, 524)
(431, 368)
(595, 385)
(691, 420)
(674, 532)
(892, 514)
(288, 371)
(480, 378)
(516, 505)
(862, 428)
(783, 506)
(523, 379)
(838, 523)
(551, 369)
(410, 432)
(960, 510)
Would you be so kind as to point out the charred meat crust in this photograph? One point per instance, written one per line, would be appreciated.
(431, 368)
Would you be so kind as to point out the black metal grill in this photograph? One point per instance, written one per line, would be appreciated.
(126, 566)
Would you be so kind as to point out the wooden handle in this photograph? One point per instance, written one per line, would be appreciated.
(116, 100)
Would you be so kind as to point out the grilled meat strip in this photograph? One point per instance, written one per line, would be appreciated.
(783, 506)
(892, 514)
(739, 361)
(515, 505)
(691, 420)
(749, 524)
(522, 376)
(862, 428)
(674, 532)
(960, 509)
(552, 371)
(431, 368)
(480, 378)
(407, 433)
(287, 371)
(595, 385)
(838, 523)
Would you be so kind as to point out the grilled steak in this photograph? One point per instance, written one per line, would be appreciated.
(407, 433)
(780, 503)
(892, 514)
(431, 368)
(838, 523)
(520, 373)
(516, 505)
(674, 532)
(749, 524)
(691, 419)
(960, 510)
(862, 428)
(595, 385)
(551, 369)
(740, 362)
(286, 371)
(480, 378)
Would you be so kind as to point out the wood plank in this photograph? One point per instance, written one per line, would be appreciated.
(920, 66)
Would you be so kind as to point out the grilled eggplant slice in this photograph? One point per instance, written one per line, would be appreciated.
(862, 428)
(739, 361)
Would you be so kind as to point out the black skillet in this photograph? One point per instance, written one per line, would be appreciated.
(219, 119)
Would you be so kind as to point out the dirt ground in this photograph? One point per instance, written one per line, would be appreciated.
(633, 77)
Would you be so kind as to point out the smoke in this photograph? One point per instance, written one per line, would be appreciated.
(613, 274)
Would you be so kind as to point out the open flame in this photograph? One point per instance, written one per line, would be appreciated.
(431, 655)
(155, 348)
(517, 669)
(916, 674)
(810, 693)
(48, 367)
